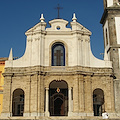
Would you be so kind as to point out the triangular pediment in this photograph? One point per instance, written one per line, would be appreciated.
(80, 28)
(37, 28)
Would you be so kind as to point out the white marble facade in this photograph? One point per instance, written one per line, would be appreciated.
(75, 39)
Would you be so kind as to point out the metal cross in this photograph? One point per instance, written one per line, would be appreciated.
(58, 8)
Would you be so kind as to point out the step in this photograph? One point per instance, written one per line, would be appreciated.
(56, 118)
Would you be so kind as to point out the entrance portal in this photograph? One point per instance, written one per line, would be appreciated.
(58, 92)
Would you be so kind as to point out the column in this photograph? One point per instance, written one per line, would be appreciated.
(70, 103)
(47, 101)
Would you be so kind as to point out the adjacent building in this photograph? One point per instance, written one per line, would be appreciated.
(2, 65)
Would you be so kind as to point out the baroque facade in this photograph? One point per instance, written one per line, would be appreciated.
(58, 74)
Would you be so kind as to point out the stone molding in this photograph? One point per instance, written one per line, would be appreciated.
(51, 70)
(112, 10)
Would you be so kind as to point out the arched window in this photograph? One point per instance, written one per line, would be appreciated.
(98, 102)
(18, 102)
(58, 55)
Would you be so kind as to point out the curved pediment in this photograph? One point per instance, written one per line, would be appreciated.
(58, 24)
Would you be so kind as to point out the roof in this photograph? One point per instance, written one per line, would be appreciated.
(3, 59)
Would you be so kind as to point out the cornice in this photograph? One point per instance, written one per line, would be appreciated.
(8, 74)
(68, 32)
(62, 70)
(36, 32)
(84, 73)
(109, 10)
(58, 32)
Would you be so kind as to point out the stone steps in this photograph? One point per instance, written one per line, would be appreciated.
(58, 119)
(55, 118)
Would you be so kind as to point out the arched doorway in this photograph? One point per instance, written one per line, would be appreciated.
(18, 102)
(98, 101)
(58, 97)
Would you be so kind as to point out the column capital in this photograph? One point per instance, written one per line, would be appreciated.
(47, 88)
(70, 88)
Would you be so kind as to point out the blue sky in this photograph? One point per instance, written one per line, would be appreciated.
(17, 16)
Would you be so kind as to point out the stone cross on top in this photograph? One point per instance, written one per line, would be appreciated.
(58, 8)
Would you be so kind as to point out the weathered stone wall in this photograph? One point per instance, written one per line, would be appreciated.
(34, 80)
(113, 49)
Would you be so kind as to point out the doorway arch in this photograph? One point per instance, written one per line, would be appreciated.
(18, 102)
(98, 101)
(58, 97)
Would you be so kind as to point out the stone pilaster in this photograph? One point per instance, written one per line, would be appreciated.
(88, 96)
(109, 100)
(81, 94)
(41, 96)
(33, 97)
(27, 97)
(7, 97)
(75, 96)
(112, 95)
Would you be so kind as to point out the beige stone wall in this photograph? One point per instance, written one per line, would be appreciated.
(6, 95)
(33, 82)
(106, 84)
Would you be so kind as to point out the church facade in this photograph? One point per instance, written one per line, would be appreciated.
(58, 74)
